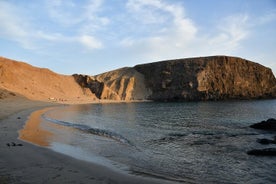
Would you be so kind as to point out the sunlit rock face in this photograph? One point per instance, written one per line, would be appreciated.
(121, 84)
(207, 78)
(126, 83)
(191, 79)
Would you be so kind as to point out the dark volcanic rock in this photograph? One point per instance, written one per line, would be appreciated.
(208, 78)
(91, 83)
(263, 152)
(269, 125)
(266, 141)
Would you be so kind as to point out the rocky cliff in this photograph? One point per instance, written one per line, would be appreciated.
(192, 79)
(208, 78)
(126, 82)
(121, 84)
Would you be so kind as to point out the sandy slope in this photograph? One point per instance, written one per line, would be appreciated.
(39, 83)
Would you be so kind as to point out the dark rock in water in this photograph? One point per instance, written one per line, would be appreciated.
(263, 152)
(266, 141)
(269, 125)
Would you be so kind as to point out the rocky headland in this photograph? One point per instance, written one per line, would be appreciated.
(208, 78)
(191, 79)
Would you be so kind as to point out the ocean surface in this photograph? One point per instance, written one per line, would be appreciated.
(189, 142)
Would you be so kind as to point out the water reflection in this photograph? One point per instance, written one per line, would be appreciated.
(204, 141)
(33, 131)
(41, 132)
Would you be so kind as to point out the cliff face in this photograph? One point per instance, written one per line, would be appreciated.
(192, 79)
(100, 89)
(122, 84)
(208, 78)
(126, 83)
(229, 77)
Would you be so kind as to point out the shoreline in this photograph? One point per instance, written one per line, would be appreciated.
(30, 163)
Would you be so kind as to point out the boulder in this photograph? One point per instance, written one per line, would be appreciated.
(266, 141)
(263, 152)
(269, 125)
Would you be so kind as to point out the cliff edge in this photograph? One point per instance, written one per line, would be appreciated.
(208, 78)
(191, 79)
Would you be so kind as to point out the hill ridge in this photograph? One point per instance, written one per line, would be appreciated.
(187, 79)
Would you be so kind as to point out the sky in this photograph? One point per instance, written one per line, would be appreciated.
(95, 36)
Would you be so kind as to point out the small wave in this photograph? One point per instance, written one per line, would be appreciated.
(88, 129)
(163, 176)
(173, 136)
(176, 136)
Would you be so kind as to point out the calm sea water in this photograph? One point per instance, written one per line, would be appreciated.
(193, 142)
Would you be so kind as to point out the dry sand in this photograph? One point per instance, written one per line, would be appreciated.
(33, 164)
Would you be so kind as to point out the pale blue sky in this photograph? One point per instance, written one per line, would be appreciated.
(94, 36)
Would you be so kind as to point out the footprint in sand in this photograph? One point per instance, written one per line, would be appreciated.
(13, 144)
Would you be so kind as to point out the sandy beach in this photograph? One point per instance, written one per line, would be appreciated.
(27, 163)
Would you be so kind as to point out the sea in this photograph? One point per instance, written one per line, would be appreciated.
(183, 142)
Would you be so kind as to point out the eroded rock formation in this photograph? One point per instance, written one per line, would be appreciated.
(191, 79)
(208, 78)
(126, 82)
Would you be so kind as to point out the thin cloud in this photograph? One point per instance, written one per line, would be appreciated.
(82, 19)
(266, 18)
(18, 27)
(174, 31)
(90, 42)
(14, 28)
(64, 12)
(230, 32)
(236, 28)
(134, 31)
(180, 37)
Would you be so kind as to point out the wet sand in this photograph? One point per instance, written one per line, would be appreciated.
(22, 162)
